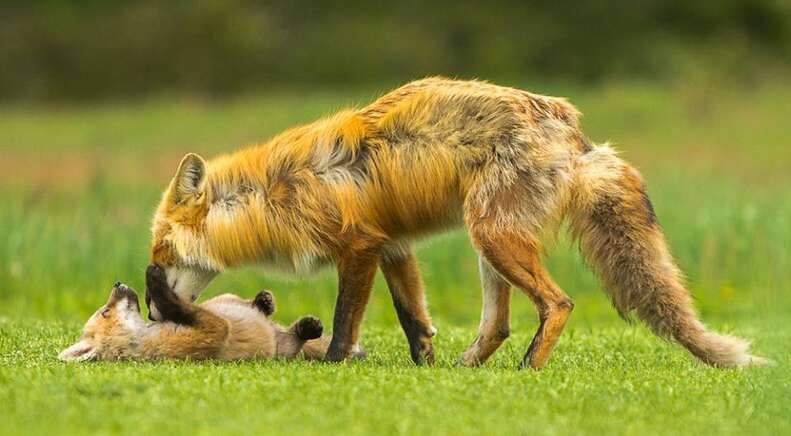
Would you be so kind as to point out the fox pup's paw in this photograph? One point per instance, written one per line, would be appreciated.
(167, 303)
(156, 279)
(308, 328)
(265, 302)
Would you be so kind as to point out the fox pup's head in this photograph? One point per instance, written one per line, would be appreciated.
(110, 329)
(179, 242)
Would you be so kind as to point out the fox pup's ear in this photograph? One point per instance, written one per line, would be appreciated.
(80, 352)
(189, 178)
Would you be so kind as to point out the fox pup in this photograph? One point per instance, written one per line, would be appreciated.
(356, 188)
(226, 327)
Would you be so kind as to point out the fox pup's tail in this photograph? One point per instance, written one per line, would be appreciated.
(618, 233)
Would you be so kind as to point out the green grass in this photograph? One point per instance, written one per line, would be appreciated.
(78, 186)
(601, 380)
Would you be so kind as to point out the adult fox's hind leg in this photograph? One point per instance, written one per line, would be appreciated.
(495, 316)
(517, 257)
(400, 269)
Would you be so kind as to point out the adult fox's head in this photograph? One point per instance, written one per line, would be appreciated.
(111, 330)
(179, 243)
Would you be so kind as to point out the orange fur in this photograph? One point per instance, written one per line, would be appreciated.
(225, 327)
(354, 188)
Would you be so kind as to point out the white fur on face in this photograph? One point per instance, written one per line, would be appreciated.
(188, 283)
(129, 315)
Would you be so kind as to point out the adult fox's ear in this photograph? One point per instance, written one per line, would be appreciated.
(189, 179)
(80, 352)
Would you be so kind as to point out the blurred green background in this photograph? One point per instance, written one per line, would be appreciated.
(91, 49)
(100, 99)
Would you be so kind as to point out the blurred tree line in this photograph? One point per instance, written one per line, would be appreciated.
(92, 49)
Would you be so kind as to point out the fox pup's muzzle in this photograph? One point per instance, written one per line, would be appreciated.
(122, 292)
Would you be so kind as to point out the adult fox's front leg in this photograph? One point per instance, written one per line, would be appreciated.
(356, 271)
(401, 272)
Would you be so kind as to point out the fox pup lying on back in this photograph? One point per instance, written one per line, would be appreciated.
(226, 327)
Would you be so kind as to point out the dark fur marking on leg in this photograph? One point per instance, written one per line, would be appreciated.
(502, 333)
(413, 329)
(170, 307)
(534, 345)
(356, 272)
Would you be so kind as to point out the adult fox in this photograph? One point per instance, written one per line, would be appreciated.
(355, 188)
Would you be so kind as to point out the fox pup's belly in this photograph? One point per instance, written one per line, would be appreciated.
(250, 333)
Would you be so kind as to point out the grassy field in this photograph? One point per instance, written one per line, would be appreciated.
(78, 186)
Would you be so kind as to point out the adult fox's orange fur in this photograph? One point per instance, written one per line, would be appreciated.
(355, 188)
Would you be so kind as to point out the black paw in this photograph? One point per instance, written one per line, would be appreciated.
(156, 288)
(265, 302)
(167, 303)
(308, 328)
(156, 279)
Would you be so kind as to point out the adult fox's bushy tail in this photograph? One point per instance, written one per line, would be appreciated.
(614, 222)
